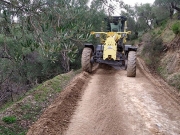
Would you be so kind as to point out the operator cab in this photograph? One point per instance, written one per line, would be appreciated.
(116, 23)
(115, 27)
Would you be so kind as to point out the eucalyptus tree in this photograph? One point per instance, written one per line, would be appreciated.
(53, 26)
(145, 14)
(160, 13)
(41, 38)
(170, 5)
(140, 17)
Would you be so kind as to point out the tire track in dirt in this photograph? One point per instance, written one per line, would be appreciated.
(167, 91)
(143, 103)
(99, 111)
(114, 104)
(109, 103)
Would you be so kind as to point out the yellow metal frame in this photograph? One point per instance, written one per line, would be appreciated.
(117, 35)
(110, 45)
(109, 42)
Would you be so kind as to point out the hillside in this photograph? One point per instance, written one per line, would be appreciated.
(44, 85)
(160, 49)
(108, 102)
(46, 103)
(15, 118)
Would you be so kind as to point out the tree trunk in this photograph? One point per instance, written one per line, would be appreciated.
(176, 8)
(65, 61)
(171, 13)
(136, 34)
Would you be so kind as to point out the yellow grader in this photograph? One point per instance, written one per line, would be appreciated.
(112, 49)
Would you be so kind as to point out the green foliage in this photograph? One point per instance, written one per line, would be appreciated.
(158, 46)
(153, 33)
(5, 106)
(161, 14)
(26, 106)
(46, 39)
(133, 36)
(166, 3)
(175, 81)
(12, 131)
(159, 32)
(152, 52)
(176, 27)
(140, 39)
(146, 14)
(139, 17)
(160, 69)
(169, 5)
(6, 131)
(29, 109)
(163, 23)
(9, 119)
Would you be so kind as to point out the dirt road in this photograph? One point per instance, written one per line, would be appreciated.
(113, 104)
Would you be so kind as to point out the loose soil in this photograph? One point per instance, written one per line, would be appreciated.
(107, 102)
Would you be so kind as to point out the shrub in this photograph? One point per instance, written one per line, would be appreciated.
(140, 39)
(163, 24)
(152, 52)
(175, 81)
(176, 27)
(159, 32)
(157, 46)
(9, 119)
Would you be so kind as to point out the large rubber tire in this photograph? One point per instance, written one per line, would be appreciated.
(86, 60)
(131, 65)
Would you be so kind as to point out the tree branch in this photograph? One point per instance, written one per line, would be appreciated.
(175, 7)
(6, 2)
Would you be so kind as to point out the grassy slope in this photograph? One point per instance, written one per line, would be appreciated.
(169, 64)
(15, 118)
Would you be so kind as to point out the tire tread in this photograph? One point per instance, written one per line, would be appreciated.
(86, 60)
(131, 66)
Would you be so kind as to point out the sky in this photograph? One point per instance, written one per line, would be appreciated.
(132, 3)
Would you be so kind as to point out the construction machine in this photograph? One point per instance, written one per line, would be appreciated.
(112, 49)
